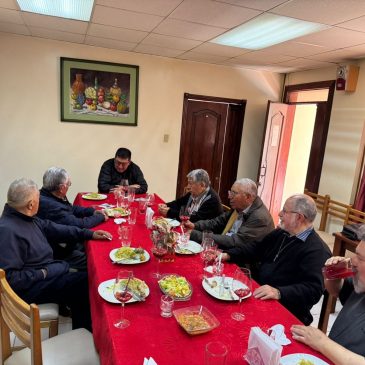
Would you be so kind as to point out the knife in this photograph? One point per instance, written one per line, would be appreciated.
(137, 296)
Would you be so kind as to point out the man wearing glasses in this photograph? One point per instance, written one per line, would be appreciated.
(119, 168)
(248, 220)
(290, 259)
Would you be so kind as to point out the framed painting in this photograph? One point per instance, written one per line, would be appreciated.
(98, 92)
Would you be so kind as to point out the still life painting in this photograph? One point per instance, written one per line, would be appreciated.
(98, 92)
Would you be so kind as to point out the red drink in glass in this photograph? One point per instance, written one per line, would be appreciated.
(123, 296)
(341, 270)
(159, 252)
(242, 292)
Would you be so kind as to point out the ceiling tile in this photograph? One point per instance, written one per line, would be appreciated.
(183, 29)
(55, 34)
(158, 51)
(213, 13)
(296, 49)
(355, 24)
(110, 43)
(44, 21)
(255, 4)
(10, 16)
(323, 11)
(218, 49)
(9, 4)
(156, 7)
(334, 38)
(170, 42)
(341, 55)
(125, 19)
(14, 28)
(242, 61)
(200, 57)
(121, 34)
(264, 57)
(303, 62)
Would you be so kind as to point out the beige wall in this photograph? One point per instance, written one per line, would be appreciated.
(343, 149)
(33, 138)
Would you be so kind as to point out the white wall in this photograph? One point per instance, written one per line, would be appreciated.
(32, 137)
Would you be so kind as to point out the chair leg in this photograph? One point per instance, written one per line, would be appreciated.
(53, 328)
(328, 302)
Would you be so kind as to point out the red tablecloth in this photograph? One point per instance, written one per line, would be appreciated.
(152, 335)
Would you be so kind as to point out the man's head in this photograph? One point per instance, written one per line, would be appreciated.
(298, 213)
(122, 159)
(358, 263)
(198, 181)
(23, 196)
(242, 194)
(57, 181)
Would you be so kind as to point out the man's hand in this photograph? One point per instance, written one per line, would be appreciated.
(335, 260)
(225, 257)
(163, 209)
(103, 212)
(267, 292)
(188, 225)
(102, 235)
(311, 336)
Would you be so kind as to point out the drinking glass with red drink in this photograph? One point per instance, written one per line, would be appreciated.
(208, 253)
(184, 214)
(241, 286)
(121, 293)
(340, 270)
(159, 251)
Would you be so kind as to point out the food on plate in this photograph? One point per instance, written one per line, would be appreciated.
(113, 212)
(176, 286)
(161, 224)
(135, 285)
(92, 195)
(129, 253)
(193, 322)
(305, 362)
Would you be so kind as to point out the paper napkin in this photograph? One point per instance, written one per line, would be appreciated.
(149, 361)
(119, 220)
(149, 215)
(262, 349)
(277, 333)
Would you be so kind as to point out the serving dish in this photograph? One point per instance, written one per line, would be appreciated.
(176, 286)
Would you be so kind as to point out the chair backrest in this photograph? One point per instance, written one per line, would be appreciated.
(20, 318)
(322, 202)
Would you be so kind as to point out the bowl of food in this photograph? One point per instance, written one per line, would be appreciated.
(176, 286)
(196, 320)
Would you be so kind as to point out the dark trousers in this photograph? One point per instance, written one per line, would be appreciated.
(70, 289)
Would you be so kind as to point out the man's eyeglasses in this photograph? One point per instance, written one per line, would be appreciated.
(292, 211)
(67, 184)
(233, 193)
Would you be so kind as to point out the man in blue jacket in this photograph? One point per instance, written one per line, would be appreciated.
(27, 257)
(54, 205)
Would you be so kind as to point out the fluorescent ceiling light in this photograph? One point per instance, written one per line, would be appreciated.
(266, 30)
(71, 9)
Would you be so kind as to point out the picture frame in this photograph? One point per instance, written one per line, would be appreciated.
(98, 92)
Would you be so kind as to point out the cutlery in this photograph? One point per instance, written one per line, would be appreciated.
(137, 296)
(212, 284)
(227, 287)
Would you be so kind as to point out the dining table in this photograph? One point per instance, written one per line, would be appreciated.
(151, 335)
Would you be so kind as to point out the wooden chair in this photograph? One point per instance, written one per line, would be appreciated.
(226, 208)
(23, 320)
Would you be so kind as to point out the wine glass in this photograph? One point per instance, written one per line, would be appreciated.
(150, 199)
(241, 286)
(159, 251)
(184, 214)
(124, 185)
(121, 293)
(208, 253)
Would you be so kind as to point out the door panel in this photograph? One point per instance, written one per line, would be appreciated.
(210, 139)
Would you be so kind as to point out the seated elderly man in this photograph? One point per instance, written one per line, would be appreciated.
(202, 202)
(345, 342)
(248, 220)
(54, 205)
(119, 168)
(27, 257)
(290, 259)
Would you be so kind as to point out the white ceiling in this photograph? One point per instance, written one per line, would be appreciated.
(182, 29)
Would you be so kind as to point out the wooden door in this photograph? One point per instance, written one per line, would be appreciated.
(210, 139)
(274, 157)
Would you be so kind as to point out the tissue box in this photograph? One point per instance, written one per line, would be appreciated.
(262, 350)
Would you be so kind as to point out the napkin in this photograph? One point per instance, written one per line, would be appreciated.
(149, 215)
(106, 205)
(119, 220)
(149, 361)
(262, 349)
(277, 333)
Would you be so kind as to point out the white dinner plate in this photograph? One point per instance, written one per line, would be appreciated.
(105, 290)
(223, 294)
(172, 222)
(190, 248)
(128, 261)
(94, 196)
(293, 359)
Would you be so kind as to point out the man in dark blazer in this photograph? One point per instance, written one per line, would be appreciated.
(345, 343)
(248, 220)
